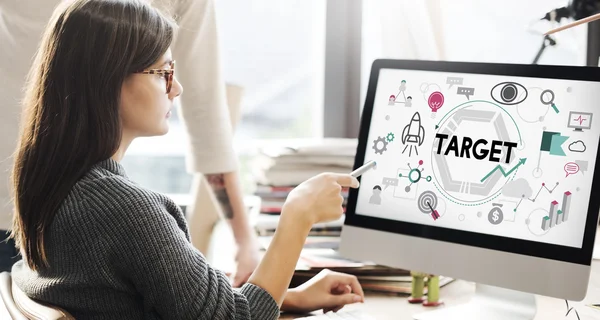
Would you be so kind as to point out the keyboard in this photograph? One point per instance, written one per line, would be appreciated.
(341, 315)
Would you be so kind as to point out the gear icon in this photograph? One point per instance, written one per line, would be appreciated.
(377, 142)
(390, 137)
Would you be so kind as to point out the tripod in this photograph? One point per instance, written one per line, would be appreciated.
(548, 41)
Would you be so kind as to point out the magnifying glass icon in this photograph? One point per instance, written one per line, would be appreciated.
(547, 98)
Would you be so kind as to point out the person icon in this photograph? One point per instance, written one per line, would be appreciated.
(376, 197)
(392, 100)
(402, 87)
(408, 102)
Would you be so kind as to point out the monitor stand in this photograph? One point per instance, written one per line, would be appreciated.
(489, 303)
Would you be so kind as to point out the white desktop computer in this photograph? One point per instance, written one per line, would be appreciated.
(480, 177)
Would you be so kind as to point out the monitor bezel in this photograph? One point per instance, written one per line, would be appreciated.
(525, 247)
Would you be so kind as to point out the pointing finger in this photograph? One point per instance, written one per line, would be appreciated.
(346, 180)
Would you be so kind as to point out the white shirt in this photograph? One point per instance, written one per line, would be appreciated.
(203, 104)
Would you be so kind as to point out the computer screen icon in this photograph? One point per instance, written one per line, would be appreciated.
(476, 200)
(580, 120)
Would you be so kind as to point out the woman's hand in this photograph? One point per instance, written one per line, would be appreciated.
(328, 290)
(319, 199)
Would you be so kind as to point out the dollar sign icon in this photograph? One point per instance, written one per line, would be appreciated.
(496, 215)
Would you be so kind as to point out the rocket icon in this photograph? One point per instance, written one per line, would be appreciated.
(414, 131)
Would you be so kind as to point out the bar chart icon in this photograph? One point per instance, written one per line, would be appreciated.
(557, 216)
(545, 223)
(566, 205)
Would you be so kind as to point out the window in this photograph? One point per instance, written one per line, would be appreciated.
(507, 31)
(275, 51)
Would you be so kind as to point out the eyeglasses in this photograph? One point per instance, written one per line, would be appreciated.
(167, 73)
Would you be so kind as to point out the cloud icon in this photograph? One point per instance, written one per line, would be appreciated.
(577, 146)
(517, 189)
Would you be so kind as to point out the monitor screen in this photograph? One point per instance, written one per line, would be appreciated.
(500, 155)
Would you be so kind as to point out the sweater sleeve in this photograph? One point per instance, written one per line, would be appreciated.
(151, 251)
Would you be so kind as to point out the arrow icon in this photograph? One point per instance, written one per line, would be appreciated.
(498, 167)
(434, 213)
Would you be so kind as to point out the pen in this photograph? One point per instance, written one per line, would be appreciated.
(364, 168)
(573, 24)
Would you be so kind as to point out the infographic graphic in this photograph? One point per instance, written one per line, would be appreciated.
(506, 93)
(395, 98)
(414, 175)
(435, 102)
(511, 157)
(413, 134)
(580, 120)
(487, 155)
(535, 109)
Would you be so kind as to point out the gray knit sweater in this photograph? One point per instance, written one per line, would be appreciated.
(119, 251)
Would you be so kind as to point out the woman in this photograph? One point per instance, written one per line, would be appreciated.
(97, 244)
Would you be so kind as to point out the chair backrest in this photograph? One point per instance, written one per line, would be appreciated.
(10, 310)
(20, 306)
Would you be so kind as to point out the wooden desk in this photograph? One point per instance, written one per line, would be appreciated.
(457, 292)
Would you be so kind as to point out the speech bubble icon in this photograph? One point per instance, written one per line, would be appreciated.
(571, 168)
(583, 165)
(454, 80)
(466, 91)
(389, 182)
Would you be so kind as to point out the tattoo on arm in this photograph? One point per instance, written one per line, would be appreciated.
(217, 183)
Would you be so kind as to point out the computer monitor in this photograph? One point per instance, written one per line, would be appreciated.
(479, 179)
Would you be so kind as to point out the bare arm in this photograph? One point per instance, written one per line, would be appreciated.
(318, 199)
(229, 194)
(287, 243)
(275, 271)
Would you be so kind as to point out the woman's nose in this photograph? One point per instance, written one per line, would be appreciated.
(176, 90)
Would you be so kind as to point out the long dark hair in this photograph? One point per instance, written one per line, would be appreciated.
(71, 106)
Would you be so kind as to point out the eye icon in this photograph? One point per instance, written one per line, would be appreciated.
(509, 93)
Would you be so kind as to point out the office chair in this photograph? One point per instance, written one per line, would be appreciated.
(19, 306)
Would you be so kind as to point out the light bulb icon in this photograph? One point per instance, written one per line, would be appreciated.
(435, 102)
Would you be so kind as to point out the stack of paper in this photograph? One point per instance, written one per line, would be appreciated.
(281, 166)
(291, 163)
(266, 224)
